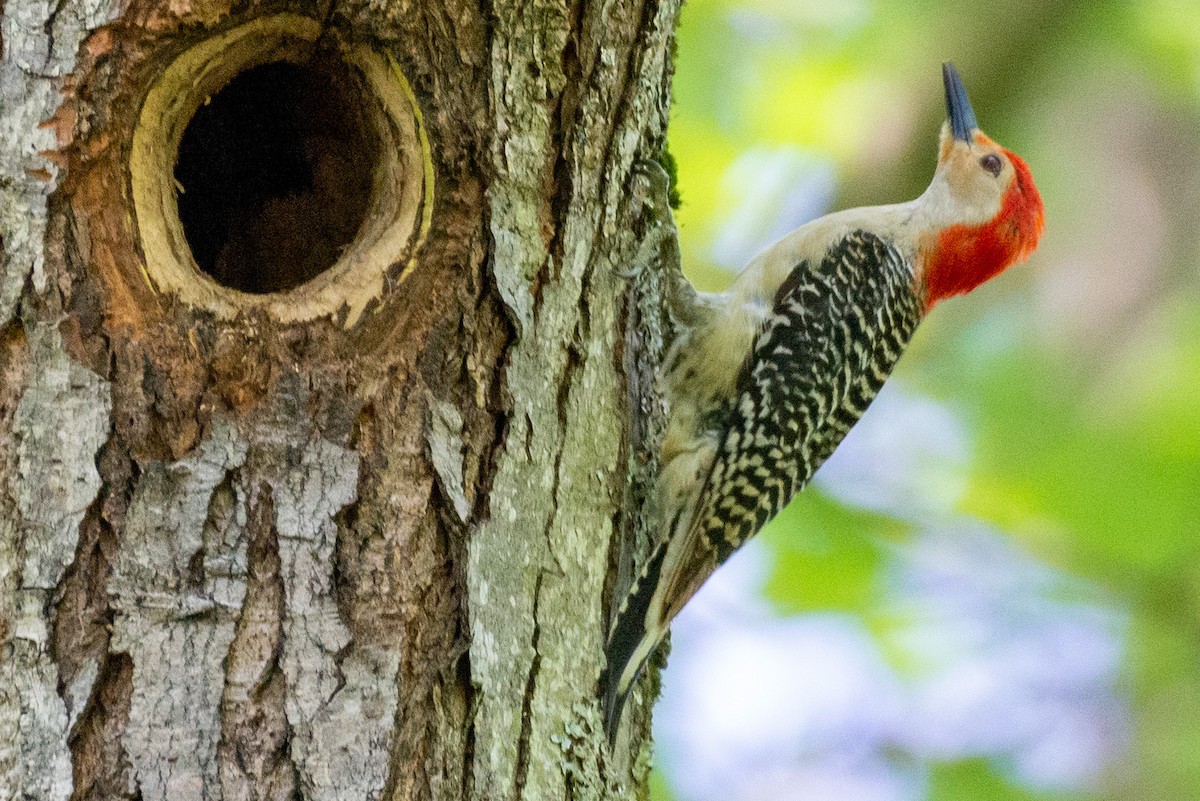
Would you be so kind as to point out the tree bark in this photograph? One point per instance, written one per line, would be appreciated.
(357, 538)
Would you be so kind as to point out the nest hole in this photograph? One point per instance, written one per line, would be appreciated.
(276, 167)
(275, 174)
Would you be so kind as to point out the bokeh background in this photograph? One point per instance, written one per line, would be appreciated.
(992, 590)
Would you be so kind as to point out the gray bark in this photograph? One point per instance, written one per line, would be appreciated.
(247, 553)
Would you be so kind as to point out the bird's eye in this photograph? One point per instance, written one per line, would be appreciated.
(992, 163)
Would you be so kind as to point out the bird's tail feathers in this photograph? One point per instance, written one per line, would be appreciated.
(629, 643)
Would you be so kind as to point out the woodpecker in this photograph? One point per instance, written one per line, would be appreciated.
(765, 380)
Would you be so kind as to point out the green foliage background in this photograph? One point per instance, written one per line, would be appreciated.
(1077, 374)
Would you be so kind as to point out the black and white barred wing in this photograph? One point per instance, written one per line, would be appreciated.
(832, 338)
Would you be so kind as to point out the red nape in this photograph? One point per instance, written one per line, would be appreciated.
(966, 256)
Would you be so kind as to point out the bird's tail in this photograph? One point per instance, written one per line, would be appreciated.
(629, 644)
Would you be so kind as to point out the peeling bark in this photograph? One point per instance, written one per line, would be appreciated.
(367, 555)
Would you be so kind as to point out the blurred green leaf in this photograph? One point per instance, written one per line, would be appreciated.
(660, 788)
(827, 555)
(977, 780)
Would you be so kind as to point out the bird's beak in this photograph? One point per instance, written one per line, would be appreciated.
(958, 107)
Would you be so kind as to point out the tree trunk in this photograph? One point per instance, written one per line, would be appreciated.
(324, 411)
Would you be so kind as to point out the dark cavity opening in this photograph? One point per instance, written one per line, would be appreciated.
(275, 174)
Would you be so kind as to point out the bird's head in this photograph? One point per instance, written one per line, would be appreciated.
(985, 212)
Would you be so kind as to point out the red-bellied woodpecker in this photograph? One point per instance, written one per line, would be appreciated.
(765, 380)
